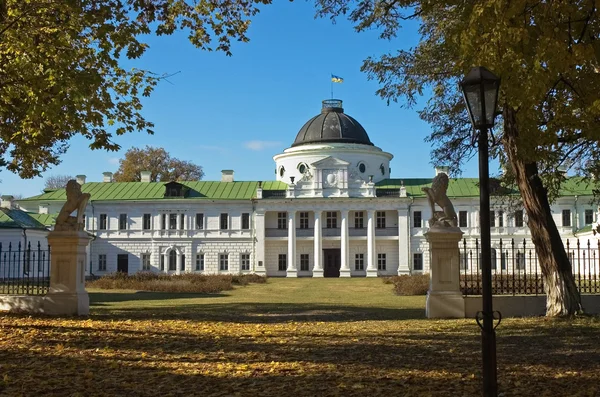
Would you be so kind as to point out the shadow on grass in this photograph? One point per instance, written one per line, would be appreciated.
(259, 313)
(101, 298)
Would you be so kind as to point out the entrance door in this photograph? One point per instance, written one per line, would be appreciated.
(332, 261)
(123, 263)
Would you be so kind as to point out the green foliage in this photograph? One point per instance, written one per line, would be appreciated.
(546, 53)
(184, 283)
(160, 164)
(60, 73)
(414, 284)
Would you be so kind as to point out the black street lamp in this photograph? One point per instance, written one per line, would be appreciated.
(480, 89)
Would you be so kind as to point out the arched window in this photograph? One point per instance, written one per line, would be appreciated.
(172, 260)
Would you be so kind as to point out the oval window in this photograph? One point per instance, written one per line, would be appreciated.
(382, 168)
(302, 168)
(282, 171)
(362, 168)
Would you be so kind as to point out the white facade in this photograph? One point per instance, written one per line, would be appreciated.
(334, 215)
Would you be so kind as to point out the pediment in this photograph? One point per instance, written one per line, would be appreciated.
(330, 162)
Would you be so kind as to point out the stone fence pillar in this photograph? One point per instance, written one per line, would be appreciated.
(444, 298)
(67, 294)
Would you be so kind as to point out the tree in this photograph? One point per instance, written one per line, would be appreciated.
(60, 72)
(160, 164)
(57, 181)
(547, 54)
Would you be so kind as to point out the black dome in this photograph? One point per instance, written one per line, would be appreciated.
(332, 125)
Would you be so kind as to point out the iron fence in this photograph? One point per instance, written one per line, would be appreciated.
(24, 270)
(516, 270)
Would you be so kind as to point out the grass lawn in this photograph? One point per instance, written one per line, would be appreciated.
(308, 337)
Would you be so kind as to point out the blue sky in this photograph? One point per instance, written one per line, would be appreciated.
(238, 112)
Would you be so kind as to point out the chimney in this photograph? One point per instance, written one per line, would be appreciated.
(43, 209)
(442, 169)
(227, 176)
(259, 190)
(80, 179)
(6, 201)
(107, 177)
(145, 176)
(402, 190)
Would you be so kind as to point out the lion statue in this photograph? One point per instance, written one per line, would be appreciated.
(75, 201)
(436, 194)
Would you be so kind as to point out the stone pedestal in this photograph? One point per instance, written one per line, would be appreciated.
(293, 273)
(67, 294)
(318, 273)
(444, 299)
(344, 272)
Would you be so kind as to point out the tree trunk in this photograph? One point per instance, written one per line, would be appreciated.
(563, 298)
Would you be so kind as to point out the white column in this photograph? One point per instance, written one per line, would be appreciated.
(371, 254)
(403, 242)
(259, 257)
(178, 264)
(318, 267)
(345, 247)
(291, 256)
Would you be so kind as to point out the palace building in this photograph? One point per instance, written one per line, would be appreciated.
(333, 211)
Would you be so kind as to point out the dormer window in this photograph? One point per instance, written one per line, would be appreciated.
(382, 169)
(175, 189)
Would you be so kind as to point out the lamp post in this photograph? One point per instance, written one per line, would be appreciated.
(480, 89)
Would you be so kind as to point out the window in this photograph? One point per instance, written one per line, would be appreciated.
(417, 219)
(304, 220)
(163, 221)
(223, 262)
(224, 221)
(199, 221)
(359, 261)
(245, 262)
(146, 222)
(172, 221)
(521, 260)
(380, 219)
(122, 221)
(146, 262)
(331, 219)
(500, 218)
(282, 220)
(382, 169)
(493, 258)
(492, 219)
(462, 219)
(463, 261)
(362, 168)
(589, 217)
(282, 262)
(302, 167)
(304, 262)
(566, 218)
(172, 260)
(162, 263)
(102, 262)
(245, 221)
(418, 261)
(282, 172)
(381, 262)
(103, 222)
(359, 219)
(181, 221)
(182, 267)
(519, 218)
(503, 257)
(199, 262)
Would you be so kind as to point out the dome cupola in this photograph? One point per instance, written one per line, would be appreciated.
(332, 125)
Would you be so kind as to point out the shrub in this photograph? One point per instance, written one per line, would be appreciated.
(416, 284)
(184, 283)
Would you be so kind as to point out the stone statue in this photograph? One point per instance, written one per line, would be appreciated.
(75, 201)
(436, 194)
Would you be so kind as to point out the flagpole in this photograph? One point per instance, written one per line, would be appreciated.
(331, 80)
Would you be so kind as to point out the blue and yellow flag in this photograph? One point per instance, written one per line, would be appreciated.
(336, 79)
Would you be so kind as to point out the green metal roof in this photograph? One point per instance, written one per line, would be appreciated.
(156, 190)
(457, 187)
(18, 219)
(577, 186)
(44, 219)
